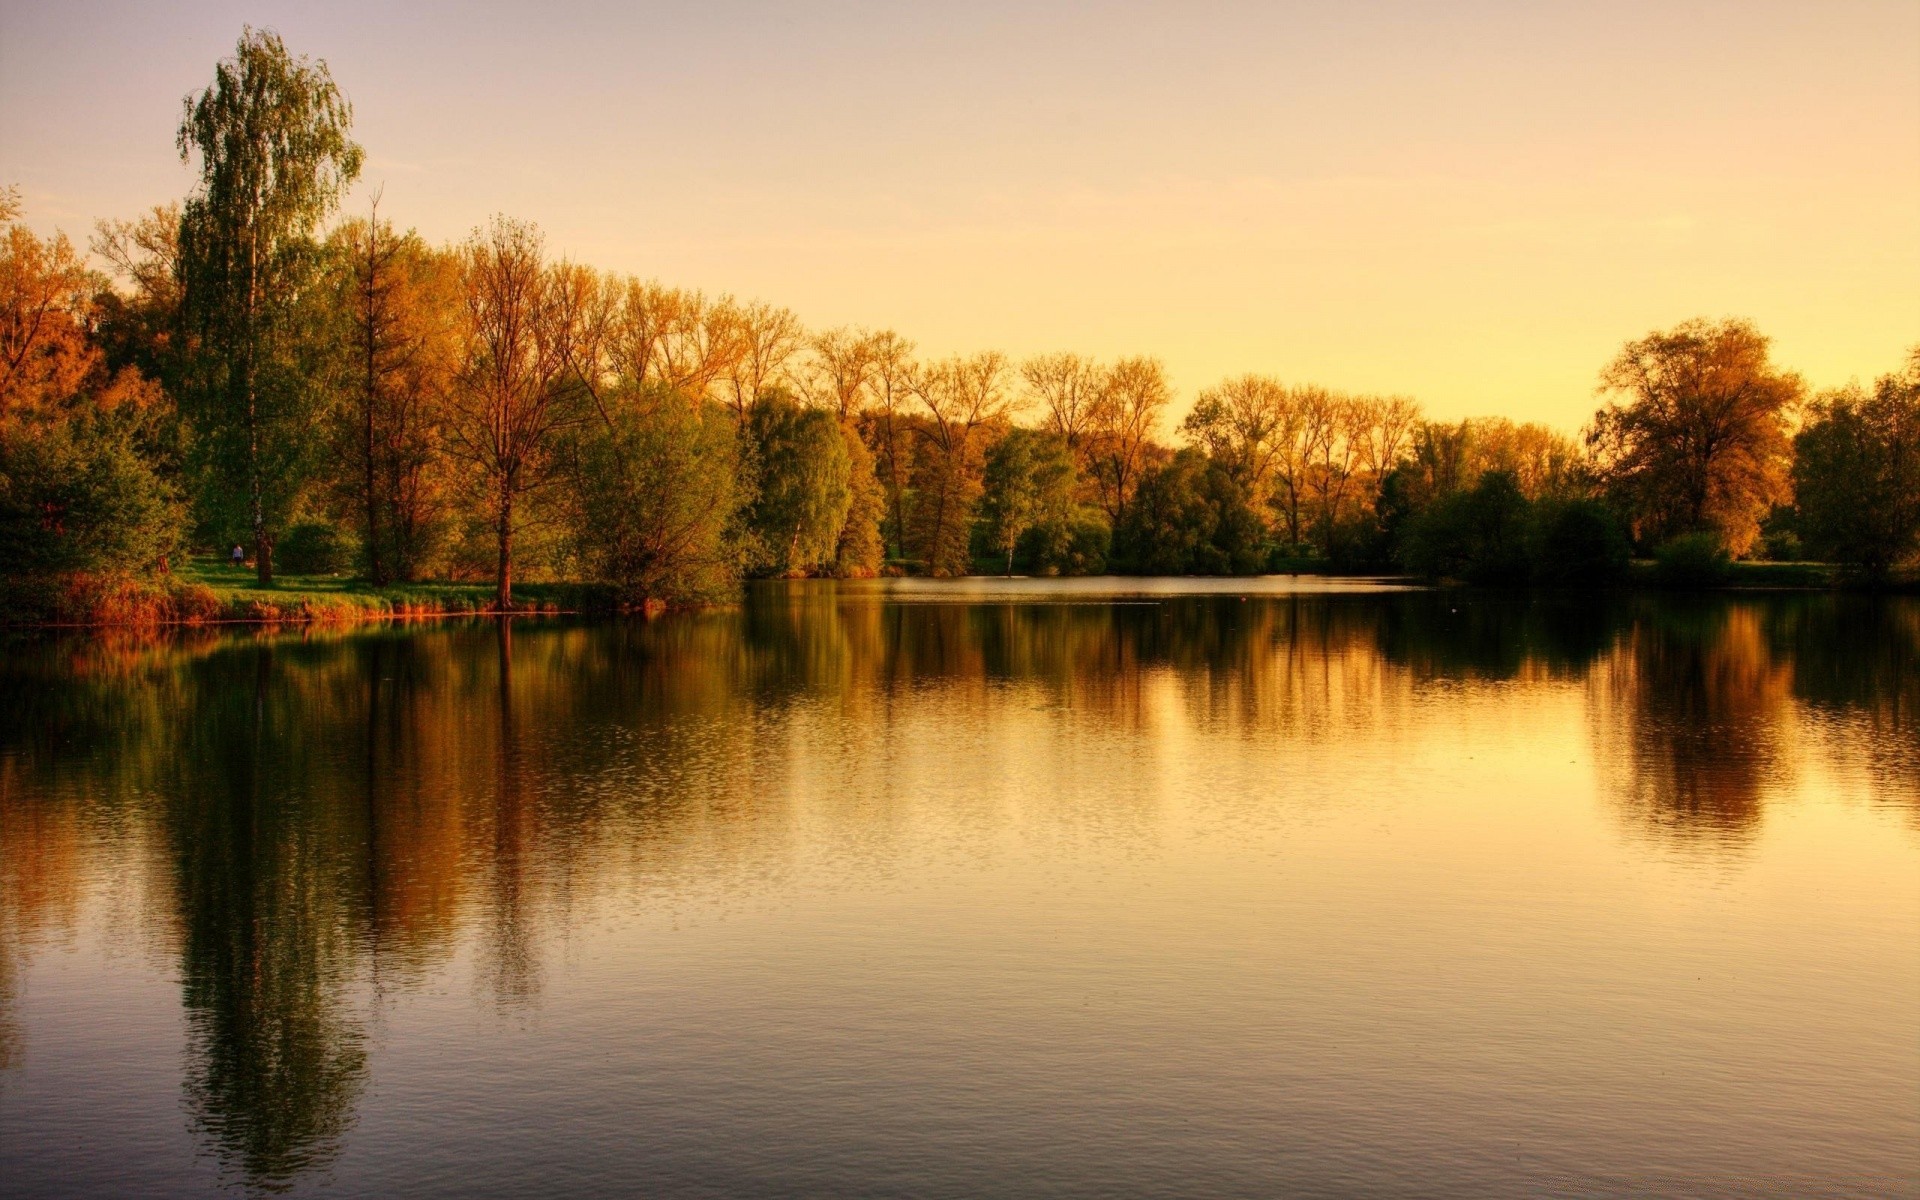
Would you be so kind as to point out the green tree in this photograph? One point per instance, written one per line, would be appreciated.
(1856, 472)
(654, 492)
(1698, 442)
(1189, 517)
(271, 136)
(1029, 480)
(858, 550)
(1480, 535)
(803, 470)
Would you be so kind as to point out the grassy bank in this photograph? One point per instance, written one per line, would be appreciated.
(1813, 576)
(205, 592)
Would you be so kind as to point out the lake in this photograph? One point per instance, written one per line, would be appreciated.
(987, 888)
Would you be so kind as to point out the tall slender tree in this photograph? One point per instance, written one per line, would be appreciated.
(271, 136)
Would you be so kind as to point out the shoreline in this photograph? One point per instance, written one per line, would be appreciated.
(184, 602)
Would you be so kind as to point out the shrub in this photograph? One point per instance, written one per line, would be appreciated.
(1692, 560)
(77, 496)
(313, 548)
(1077, 546)
(1578, 542)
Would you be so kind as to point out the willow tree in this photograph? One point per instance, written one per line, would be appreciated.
(272, 139)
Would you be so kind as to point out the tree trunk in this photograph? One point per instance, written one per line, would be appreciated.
(262, 544)
(376, 567)
(503, 594)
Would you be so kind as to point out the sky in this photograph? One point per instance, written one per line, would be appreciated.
(1474, 204)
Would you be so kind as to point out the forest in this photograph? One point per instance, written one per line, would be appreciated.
(254, 375)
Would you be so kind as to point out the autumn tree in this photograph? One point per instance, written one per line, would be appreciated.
(77, 493)
(887, 429)
(1071, 394)
(1244, 424)
(398, 305)
(765, 339)
(858, 550)
(515, 389)
(1697, 439)
(271, 137)
(138, 318)
(838, 373)
(1856, 472)
(671, 339)
(1133, 394)
(963, 399)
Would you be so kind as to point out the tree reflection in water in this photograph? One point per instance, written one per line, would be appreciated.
(325, 814)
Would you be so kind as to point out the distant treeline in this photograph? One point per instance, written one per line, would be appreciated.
(336, 395)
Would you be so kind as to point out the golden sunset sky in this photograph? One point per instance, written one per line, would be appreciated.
(1471, 203)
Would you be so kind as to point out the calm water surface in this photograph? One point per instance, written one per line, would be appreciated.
(1114, 888)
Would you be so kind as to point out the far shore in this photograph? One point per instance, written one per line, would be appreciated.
(208, 593)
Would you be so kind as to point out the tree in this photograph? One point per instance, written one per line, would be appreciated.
(46, 295)
(1189, 517)
(1072, 395)
(654, 494)
(1244, 424)
(1479, 535)
(140, 327)
(1698, 442)
(839, 372)
(892, 385)
(515, 390)
(961, 396)
(398, 303)
(858, 550)
(271, 136)
(669, 339)
(1856, 472)
(801, 503)
(767, 337)
(1132, 396)
(76, 493)
(1029, 481)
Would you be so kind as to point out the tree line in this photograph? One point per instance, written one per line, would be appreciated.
(332, 393)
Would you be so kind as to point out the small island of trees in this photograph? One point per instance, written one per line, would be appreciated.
(334, 396)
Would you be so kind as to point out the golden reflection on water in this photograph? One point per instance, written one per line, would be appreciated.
(305, 831)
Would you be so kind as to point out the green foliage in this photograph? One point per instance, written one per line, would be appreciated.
(76, 495)
(803, 469)
(271, 135)
(859, 550)
(1856, 474)
(1578, 542)
(1189, 517)
(315, 548)
(1479, 535)
(1692, 560)
(653, 500)
(1030, 481)
(1078, 545)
